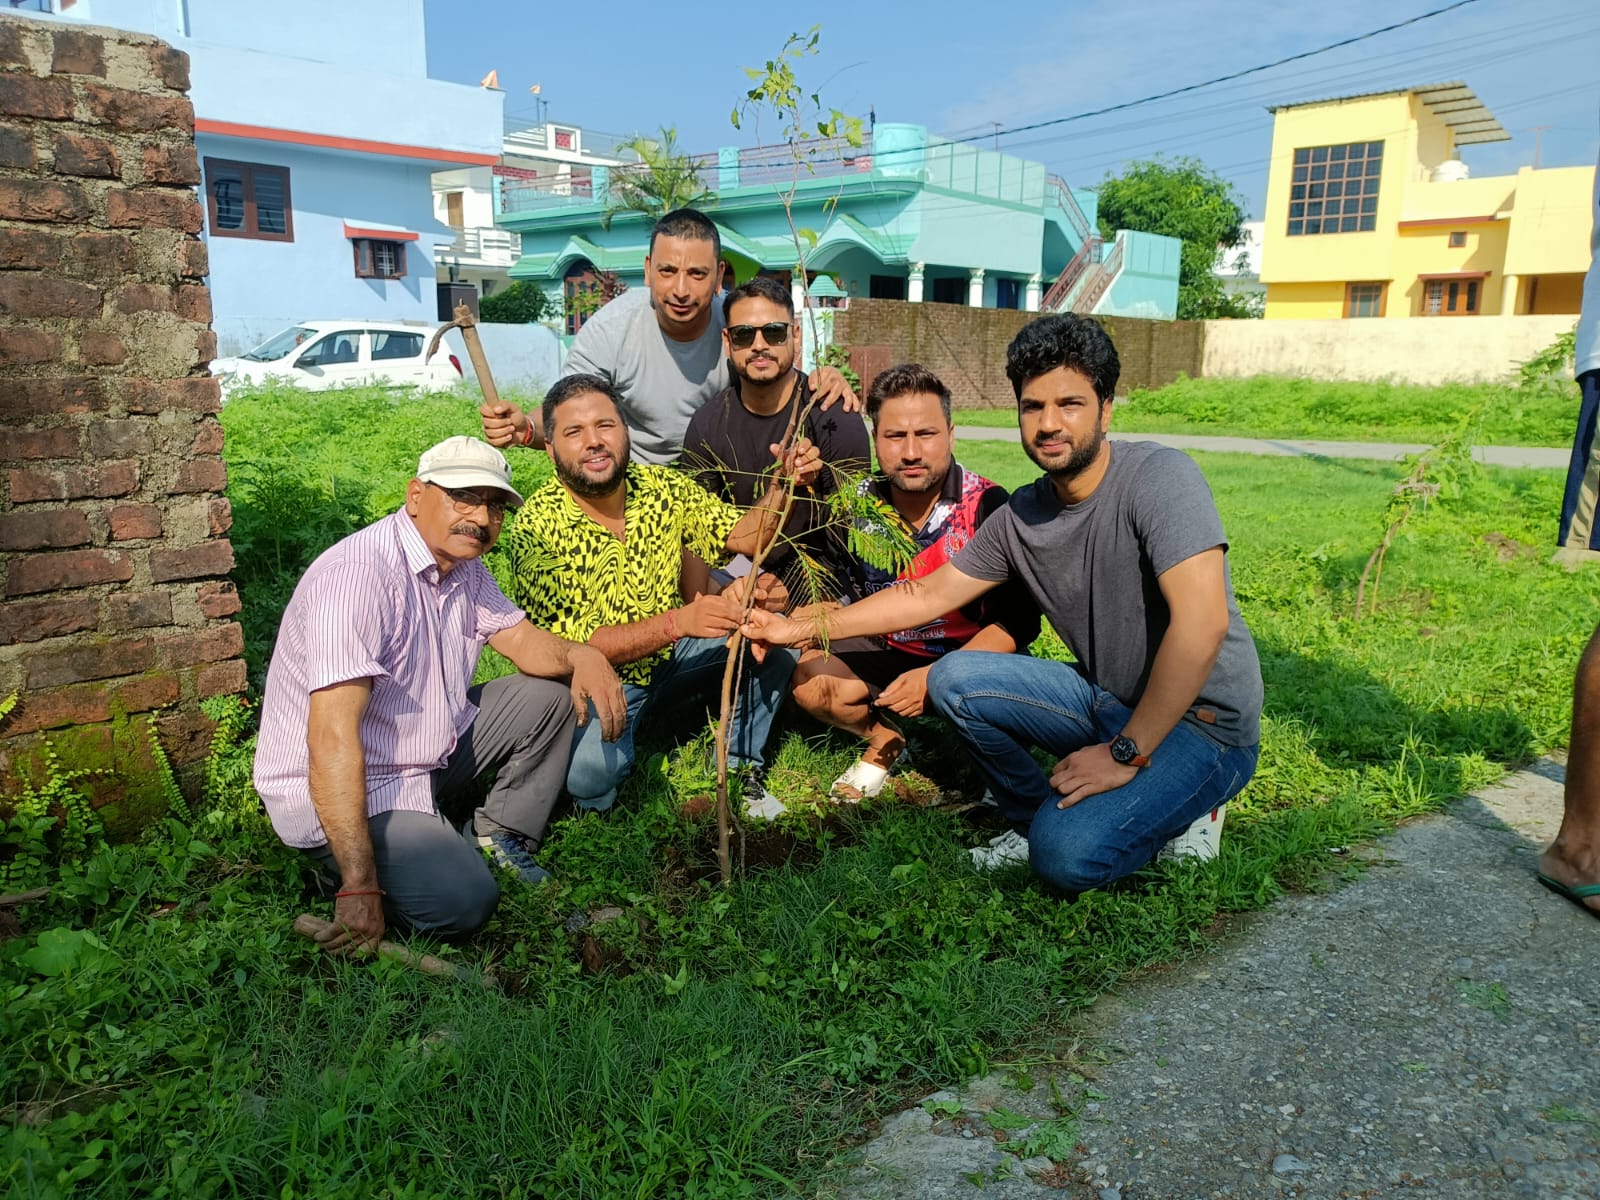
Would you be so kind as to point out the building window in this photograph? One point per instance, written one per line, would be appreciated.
(1334, 189)
(1008, 293)
(1458, 239)
(1363, 299)
(949, 291)
(1450, 297)
(378, 259)
(248, 200)
(886, 287)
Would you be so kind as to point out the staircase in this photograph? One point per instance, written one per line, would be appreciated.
(1084, 281)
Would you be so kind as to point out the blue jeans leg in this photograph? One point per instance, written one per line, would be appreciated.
(694, 675)
(598, 767)
(1002, 704)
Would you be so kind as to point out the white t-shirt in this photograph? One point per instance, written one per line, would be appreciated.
(1588, 349)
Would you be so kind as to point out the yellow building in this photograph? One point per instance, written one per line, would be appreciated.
(1371, 214)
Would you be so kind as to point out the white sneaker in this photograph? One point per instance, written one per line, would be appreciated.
(1201, 840)
(1010, 849)
(764, 805)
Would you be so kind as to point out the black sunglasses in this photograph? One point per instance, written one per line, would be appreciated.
(742, 337)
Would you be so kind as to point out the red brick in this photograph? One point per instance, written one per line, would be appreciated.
(139, 610)
(78, 53)
(208, 440)
(161, 209)
(171, 67)
(128, 521)
(41, 397)
(185, 735)
(33, 200)
(200, 475)
(208, 645)
(12, 51)
(205, 346)
(105, 660)
(33, 622)
(171, 164)
(51, 530)
(220, 599)
(193, 393)
(143, 694)
(61, 441)
(120, 439)
(193, 261)
(46, 296)
(74, 483)
(221, 679)
(28, 249)
(52, 710)
(100, 255)
(138, 112)
(143, 297)
(80, 154)
(16, 148)
(97, 348)
(22, 347)
(220, 511)
(195, 562)
(23, 95)
(33, 573)
(194, 302)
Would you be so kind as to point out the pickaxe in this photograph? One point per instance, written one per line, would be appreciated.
(468, 324)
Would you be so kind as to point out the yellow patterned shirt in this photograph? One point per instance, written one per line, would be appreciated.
(572, 575)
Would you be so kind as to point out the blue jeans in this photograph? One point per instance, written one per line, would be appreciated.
(1004, 704)
(692, 675)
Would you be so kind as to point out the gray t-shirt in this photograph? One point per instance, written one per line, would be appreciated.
(663, 382)
(1092, 569)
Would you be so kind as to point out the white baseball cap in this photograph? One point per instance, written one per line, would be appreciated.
(465, 462)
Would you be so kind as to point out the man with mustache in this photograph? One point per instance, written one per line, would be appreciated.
(661, 348)
(1156, 723)
(371, 722)
(599, 553)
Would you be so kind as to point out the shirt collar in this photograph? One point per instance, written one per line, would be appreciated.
(419, 558)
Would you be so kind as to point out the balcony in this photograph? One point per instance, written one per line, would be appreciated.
(488, 248)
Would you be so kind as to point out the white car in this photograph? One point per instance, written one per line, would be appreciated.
(317, 355)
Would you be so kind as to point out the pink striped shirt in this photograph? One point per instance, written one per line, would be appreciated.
(374, 607)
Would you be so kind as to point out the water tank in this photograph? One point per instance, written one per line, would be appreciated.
(1451, 170)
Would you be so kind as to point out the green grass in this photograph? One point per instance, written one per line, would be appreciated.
(1270, 407)
(741, 1036)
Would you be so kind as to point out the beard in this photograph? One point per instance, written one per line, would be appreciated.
(931, 481)
(571, 474)
(1079, 459)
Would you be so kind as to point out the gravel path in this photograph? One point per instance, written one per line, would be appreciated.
(1426, 1031)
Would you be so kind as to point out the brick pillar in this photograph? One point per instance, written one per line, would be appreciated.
(113, 527)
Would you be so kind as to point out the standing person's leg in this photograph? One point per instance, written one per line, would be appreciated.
(1571, 866)
(1579, 536)
(433, 881)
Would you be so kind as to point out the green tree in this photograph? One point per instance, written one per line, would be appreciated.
(663, 179)
(518, 304)
(1181, 198)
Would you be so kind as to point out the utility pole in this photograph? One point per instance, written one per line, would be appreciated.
(1538, 141)
(996, 125)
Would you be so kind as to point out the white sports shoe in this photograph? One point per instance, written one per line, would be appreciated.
(1010, 849)
(1201, 840)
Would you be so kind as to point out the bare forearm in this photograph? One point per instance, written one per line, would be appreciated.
(635, 640)
(907, 604)
(535, 651)
(995, 638)
(759, 525)
(1181, 668)
(338, 780)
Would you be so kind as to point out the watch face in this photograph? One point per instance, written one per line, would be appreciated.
(1123, 749)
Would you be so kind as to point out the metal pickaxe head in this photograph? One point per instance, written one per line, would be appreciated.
(464, 320)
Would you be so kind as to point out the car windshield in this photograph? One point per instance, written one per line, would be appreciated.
(278, 345)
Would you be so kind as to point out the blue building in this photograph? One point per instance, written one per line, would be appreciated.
(905, 216)
(318, 132)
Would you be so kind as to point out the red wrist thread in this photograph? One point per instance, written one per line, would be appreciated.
(361, 892)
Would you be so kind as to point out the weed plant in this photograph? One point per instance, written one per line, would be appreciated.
(163, 1032)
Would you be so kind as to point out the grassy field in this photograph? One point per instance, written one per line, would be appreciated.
(164, 1033)
(1543, 415)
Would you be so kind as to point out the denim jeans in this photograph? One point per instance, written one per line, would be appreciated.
(1004, 704)
(693, 675)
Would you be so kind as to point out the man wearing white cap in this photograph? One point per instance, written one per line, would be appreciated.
(370, 722)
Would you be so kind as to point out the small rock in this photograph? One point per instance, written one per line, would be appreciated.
(1288, 1164)
(1110, 1193)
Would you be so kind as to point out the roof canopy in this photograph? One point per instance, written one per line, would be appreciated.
(1454, 103)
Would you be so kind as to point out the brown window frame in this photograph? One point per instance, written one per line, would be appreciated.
(249, 227)
(1349, 299)
(369, 270)
(1458, 239)
(1469, 291)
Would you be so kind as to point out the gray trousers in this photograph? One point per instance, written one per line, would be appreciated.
(434, 879)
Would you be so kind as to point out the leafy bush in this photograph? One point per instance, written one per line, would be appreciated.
(519, 304)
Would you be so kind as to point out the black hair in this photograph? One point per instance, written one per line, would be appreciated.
(762, 287)
(565, 389)
(1064, 340)
(905, 380)
(688, 223)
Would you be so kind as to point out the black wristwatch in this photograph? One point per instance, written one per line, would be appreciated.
(1126, 751)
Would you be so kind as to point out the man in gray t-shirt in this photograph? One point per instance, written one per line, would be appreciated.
(1157, 722)
(661, 348)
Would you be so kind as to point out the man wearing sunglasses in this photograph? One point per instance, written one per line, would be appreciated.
(661, 348)
(726, 447)
(372, 730)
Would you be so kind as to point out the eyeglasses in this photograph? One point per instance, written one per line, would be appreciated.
(467, 501)
(742, 337)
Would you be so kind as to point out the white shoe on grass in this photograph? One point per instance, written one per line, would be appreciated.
(1200, 841)
(1010, 849)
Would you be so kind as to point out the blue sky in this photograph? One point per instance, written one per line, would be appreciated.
(622, 66)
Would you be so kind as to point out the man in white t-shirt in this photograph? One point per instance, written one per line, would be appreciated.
(661, 347)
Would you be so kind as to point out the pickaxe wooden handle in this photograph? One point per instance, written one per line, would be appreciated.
(308, 926)
(468, 324)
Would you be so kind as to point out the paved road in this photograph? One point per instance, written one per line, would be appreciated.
(1427, 1032)
(1498, 456)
